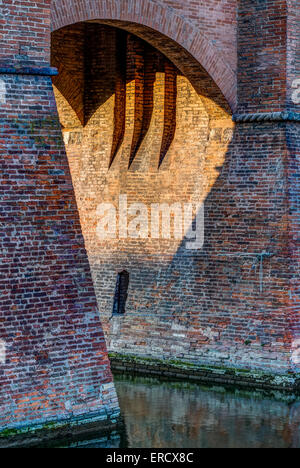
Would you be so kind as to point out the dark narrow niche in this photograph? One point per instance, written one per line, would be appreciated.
(121, 293)
(120, 94)
(169, 110)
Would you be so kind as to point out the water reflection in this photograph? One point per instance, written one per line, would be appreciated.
(164, 414)
(180, 415)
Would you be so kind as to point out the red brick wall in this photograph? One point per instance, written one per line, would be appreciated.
(293, 53)
(262, 55)
(54, 364)
(268, 51)
(224, 304)
(25, 32)
(231, 305)
(293, 142)
(293, 191)
(217, 19)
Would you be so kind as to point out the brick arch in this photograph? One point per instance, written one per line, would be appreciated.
(152, 14)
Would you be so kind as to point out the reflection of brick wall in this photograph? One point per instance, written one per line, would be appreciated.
(204, 417)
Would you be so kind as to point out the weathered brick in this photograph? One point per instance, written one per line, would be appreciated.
(145, 96)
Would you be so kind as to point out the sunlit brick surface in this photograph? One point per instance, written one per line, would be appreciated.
(145, 93)
(150, 134)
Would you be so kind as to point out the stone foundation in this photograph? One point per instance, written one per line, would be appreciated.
(224, 376)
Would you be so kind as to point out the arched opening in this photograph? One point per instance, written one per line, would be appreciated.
(145, 129)
(167, 29)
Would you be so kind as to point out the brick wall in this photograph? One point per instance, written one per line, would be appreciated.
(225, 304)
(152, 121)
(293, 143)
(262, 49)
(218, 21)
(54, 364)
(25, 32)
(191, 25)
(293, 52)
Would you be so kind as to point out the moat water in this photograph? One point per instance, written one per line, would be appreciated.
(168, 414)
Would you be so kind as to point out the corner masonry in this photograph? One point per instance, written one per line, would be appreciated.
(54, 369)
(105, 423)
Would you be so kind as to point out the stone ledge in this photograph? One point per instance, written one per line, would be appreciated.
(267, 117)
(252, 379)
(34, 71)
(25, 435)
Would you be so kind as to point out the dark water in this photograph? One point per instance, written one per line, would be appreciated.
(168, 414)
